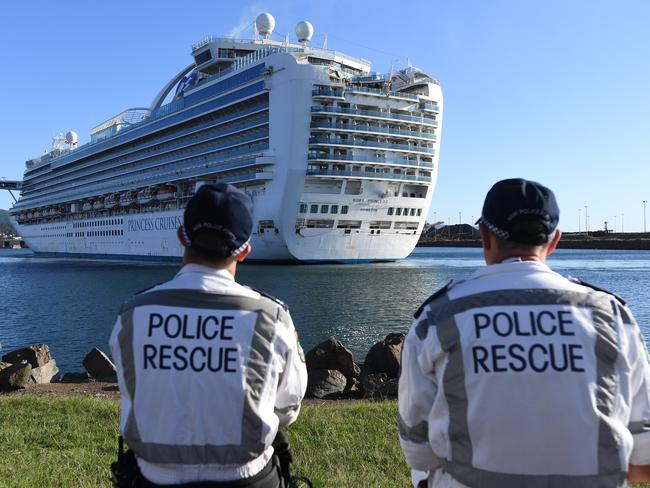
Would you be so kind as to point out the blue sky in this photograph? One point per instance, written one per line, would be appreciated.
(557, 91)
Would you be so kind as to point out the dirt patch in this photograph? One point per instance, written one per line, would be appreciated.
(96, 389)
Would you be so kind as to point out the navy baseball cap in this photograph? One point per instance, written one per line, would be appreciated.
(218, 211)
(521, 211)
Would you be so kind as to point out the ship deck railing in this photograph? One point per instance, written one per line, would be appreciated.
(374, 129)
(314, 156)
(367, 174)
(371, 113)
(386, 145)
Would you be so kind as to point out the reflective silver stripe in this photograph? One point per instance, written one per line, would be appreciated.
(482, 478)
(441, 315)
(419, 433)
(252, 442)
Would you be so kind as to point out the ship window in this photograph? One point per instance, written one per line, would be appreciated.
(412, 212)
(419, 212)
(334, 209)
(303, 208)
(398, 211)
(203, 57)
(313, 209)
(390, 210)
(324, 208)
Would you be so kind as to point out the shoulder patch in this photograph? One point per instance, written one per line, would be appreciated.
(594, 287)
(437, 294)
(270, 297)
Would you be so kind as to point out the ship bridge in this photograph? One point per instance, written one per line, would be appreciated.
(9, 185)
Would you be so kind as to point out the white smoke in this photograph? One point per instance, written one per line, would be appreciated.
(246, 20)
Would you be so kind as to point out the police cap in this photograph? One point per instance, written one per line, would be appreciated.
(521, 211)
(218, 212)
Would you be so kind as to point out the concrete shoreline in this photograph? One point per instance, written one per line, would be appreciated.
(612, 242)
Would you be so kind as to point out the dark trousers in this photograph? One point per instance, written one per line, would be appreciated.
(269, 477)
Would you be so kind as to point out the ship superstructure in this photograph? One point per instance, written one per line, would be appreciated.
(340, 162)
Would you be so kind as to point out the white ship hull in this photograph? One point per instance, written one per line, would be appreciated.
(152, 236)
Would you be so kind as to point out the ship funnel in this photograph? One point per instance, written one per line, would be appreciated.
(265, 24)
(304, 31)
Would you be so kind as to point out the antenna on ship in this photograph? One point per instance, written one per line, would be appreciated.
(325, 42)
(264, 24)
(286, 40)
(304, 32)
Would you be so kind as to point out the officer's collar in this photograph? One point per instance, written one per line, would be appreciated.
(205, 270)
(508, 266)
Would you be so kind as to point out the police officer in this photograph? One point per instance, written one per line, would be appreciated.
(519, 377)
(208, 369)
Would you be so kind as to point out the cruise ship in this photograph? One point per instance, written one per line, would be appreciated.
(340, 161)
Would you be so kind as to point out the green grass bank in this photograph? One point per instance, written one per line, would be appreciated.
(70, 441)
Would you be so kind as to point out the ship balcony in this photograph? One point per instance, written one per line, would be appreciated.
(247, 177)
(371, 129)
(429, 107)
(370, 144)
(328, 94)
(381, 93)
(315, 156)
(367, 175)
(371, 114)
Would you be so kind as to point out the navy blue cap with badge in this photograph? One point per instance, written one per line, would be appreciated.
(218, 213)
(521, 211)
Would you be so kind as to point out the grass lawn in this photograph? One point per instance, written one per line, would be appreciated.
(70, 441)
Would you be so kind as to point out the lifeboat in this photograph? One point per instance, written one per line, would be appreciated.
(110, 201)
(87, 205)
(126, 199)
(30, 215)
(98, 204)
(52, 211)
(166, 192)
(145, 196)
(37, 214)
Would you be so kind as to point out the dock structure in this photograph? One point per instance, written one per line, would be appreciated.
(9, 185)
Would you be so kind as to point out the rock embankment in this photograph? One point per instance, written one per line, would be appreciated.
(334, 375)
(35, 365)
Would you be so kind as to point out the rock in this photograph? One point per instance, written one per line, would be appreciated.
(76, 378)
(37, 355)
(379, 386)
(15, 376)
(4, 365)
(385, 356)
(332, 354)
(99, 366)
(47, 373)
(325, 383)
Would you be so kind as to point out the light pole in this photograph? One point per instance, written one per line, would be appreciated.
(586, 221)
(614, 224)
(644, 204)
(622, 222)
(579, 219)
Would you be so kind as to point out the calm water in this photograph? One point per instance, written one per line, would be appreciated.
(71, 305)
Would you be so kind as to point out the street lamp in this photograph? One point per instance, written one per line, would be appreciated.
(644, 204)
(579, 219)
(622, 222)
(586, 221)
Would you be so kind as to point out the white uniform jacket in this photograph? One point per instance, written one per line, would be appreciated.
(519, 377)
(208, 370)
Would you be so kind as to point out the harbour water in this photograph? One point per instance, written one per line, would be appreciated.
(71, 304)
